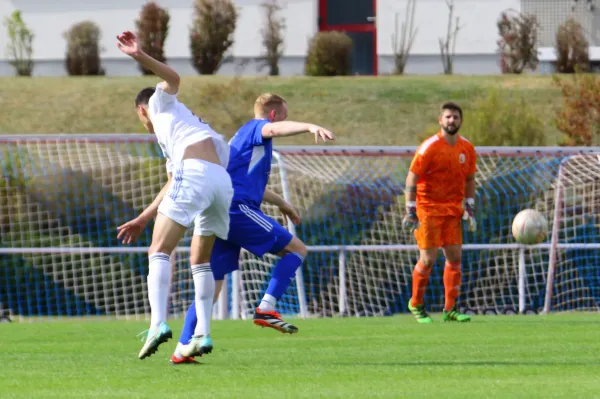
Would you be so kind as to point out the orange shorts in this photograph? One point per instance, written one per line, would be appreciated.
(439, 231)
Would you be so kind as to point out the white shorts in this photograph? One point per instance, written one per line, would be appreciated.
(200, 192)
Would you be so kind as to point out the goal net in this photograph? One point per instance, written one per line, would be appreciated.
(354, 199)
(62, 197)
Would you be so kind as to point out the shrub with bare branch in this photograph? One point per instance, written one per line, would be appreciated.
(272, 36)
(402, 42)
(448, 44)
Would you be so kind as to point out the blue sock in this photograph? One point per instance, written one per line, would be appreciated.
(283, 273)
(189, 325)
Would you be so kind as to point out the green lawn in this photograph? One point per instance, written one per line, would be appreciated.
(491, 357)
(361, 110)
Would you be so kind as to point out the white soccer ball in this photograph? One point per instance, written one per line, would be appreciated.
(529, 227)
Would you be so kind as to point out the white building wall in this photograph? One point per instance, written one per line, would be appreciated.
(478, 35)
(476, 43)
(50, 19)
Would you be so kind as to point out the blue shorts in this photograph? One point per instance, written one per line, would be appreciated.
(252, 230)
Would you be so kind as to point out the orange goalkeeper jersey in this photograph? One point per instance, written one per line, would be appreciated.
(442, 170)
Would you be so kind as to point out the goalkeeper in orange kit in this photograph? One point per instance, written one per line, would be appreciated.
(441, 177)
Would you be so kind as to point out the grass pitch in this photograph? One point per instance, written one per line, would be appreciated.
(384, 110)
(492, 357)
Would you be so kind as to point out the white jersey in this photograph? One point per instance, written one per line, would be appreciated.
(176, 127)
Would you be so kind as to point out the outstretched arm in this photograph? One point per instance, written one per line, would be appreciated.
(128, 43)
(290, 128)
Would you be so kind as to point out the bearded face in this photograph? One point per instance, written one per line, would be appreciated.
(450, 121)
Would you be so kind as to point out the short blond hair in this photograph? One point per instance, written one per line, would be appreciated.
(267, 102)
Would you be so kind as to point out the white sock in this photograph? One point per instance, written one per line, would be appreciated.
(204, 287)
(159, 283)
(177, 352)
(267, 304)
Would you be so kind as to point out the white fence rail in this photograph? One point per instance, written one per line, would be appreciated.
(221, 310)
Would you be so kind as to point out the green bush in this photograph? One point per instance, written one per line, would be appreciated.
(496, 120)
(211, 34)
(231, 103)
(153, 27)
(83, 50)
(329, 54)
(578, 117)
(20, 48)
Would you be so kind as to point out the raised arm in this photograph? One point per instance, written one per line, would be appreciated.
(128, 44)
(290, 128)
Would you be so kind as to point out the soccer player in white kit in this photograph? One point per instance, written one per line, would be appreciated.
(199, 190)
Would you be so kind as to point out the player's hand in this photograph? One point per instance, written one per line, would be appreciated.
(288, 211)
(469, 215)
(128, 43)
(131, 231)
(322, 133)
(410, 222)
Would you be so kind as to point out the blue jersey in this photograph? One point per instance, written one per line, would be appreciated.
(250, 163)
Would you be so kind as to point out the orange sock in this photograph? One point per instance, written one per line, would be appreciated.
(419, 283)
(452, 278)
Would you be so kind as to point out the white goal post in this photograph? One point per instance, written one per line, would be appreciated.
(62, 196)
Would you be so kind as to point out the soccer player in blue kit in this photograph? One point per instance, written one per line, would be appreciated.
(251, 151)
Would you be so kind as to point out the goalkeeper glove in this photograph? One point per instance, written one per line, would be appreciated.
(410, 221)
(469, 214)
